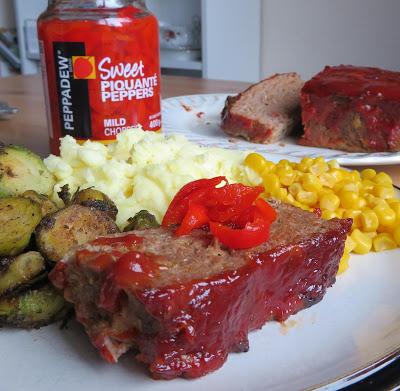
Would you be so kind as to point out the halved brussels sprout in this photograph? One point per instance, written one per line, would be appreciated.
(18, 218)
(33, 308)
(21, 170)
(76, 224)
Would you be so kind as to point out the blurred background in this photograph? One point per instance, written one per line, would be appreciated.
(243, 40)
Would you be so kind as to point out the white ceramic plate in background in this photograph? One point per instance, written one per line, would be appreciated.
(350, 334)
(198, 117)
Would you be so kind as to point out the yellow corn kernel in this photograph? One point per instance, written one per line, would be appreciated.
(363, 242)
(386, 215)
(355, 176)
(308, 198)
(319, 167)
(333, 164)
(325, 190)
(371, 234)
(366, 186)
(368, 173)
(311, 182)
(271, 182)
(320, 160)
(327, 179)
(382, 179)
(280, 194)
(362, 203)
(369, 220)
(305, 164)
(351, 186)
(329, 202)
(339, 212)
(395, 206)
(283, 164)
(256, 162)
(328, 214)
(348, 199)
(396, 235)
(337, 173)
(269, 167)
(344, 262)
(372, 201)
(286, 175)
(294, 188)
(290, 199)
(384, 241)
(349, 244)
(338, 186)
(383, 191)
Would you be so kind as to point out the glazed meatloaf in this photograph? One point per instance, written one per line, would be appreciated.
(354, 109)
(267, 111)
(183, 303)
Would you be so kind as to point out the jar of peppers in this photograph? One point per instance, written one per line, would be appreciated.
(101, 68)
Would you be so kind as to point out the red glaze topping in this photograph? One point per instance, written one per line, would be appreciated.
(359, 82)
(127, 240)
(195, 331)
(374, 94)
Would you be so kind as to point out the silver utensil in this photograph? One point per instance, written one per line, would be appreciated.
(6, 109)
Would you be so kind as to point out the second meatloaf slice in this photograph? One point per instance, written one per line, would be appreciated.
(267, 111)
(183, 303)
(351, 108)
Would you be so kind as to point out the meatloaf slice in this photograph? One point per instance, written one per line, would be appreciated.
(267, 111)
(354, 109)
(183, 303)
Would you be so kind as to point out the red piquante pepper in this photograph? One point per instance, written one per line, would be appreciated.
(232, 212)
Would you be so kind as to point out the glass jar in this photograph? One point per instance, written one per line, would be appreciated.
(101, 68)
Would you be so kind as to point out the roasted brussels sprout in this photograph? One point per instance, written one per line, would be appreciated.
(47, 206)
(141, 220)
(21, 170)
(95, 199)
(33, 308)
(20, 271)
(18, 218)
(73, 225)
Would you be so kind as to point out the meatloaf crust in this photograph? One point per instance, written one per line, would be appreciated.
(188, 301)
(355, 109)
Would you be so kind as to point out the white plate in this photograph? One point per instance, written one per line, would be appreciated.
(198, 116)
(350, 334)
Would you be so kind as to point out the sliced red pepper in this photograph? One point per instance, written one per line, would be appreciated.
(195, 192)
(253, 234)
(234, 214)
(195, 217)
(266, 209)
(228, 202)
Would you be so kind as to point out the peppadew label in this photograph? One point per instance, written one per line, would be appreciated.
(99, 96)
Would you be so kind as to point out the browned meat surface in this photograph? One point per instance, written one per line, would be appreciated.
(267, 111)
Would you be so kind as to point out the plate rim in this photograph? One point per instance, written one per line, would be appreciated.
(359, 374)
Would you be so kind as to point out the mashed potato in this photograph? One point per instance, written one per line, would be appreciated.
(143, 170)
